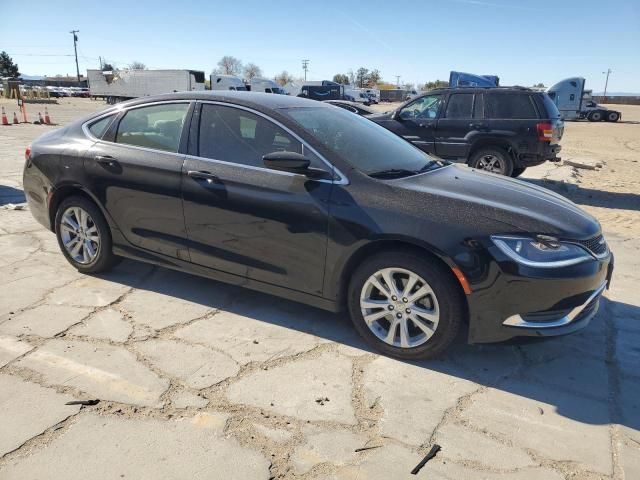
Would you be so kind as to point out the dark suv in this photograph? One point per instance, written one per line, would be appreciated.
(502, 130)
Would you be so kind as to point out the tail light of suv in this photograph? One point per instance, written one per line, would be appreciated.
(27, 152)
(545, 132)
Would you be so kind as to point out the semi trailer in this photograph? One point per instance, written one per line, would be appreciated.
(118, 85)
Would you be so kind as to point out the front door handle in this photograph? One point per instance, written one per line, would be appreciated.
(477, 126)
(202, 175)
(106, 160)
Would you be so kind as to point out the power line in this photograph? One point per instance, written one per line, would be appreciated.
(305, 67)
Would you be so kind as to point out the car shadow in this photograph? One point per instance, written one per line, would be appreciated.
(11, 195)
(576, 374)
(590, 196)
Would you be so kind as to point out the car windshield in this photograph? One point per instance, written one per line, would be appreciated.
(362, 143)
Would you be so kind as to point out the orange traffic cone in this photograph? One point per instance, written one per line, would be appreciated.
(40, 120)
(5, 120)
(47, 120)
(15, 119)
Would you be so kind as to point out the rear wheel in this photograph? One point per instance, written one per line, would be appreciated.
(84, 236)
(613, 116)
(405, 305)
(518, 171)
(595, 116)
(492, 159)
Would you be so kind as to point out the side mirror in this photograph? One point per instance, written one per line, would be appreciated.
(405, 115)
(287, 162)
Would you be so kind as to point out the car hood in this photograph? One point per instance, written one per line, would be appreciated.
(521, 205)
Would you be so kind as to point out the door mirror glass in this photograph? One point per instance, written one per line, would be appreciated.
(406, 115)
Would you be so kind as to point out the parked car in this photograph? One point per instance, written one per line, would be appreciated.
(300, 199)
(502, 130)
(354, 107)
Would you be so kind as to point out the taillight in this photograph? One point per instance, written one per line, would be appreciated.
(27, 152)
(545, 132)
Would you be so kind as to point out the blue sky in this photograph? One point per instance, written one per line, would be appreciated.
(523, 42)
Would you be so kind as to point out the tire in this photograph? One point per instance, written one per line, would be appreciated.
(93, 235)
(595, 116)
(518, 171)
(445, 301)
(613, 116)
(492, 159)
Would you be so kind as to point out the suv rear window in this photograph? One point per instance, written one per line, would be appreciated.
(550, 106)
(506, 105)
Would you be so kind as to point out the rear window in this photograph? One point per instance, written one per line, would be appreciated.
(550, 106)
(515, 106)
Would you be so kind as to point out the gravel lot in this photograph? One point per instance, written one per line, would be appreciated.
(197, 379)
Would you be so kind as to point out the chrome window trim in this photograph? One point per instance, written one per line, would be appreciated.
(342, 179)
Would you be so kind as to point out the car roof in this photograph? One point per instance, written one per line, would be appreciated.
(479, 89)
(250, 99)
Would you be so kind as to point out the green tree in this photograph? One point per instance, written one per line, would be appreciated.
(375, 77)
(7, 67)
(362, 76)
(341, 78)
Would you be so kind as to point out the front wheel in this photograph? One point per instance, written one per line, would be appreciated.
(492, 159)
(84, 236)
(405, 305)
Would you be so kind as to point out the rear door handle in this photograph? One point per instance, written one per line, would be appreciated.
(202, 175)
(477, 125)
(106, 160)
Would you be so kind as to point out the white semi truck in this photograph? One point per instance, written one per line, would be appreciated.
(576, 103)
(118, 85)
(227, 82)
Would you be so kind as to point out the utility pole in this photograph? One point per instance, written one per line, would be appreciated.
(606, 83)
(305, 67)
(397, 80)
(75, 49)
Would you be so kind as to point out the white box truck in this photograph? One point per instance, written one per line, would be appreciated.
(265, 85)
(118, 85)
(575, 103)
(227, 82)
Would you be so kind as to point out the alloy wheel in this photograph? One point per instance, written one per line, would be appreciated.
(80, 235)
(399, 307)
(491, 163)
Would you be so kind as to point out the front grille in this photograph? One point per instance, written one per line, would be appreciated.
(595, 245)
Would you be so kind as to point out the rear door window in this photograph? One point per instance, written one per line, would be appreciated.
(460, 105)
(158, 127)
(509, 106)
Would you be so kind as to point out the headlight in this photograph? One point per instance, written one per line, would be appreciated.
(541, 252)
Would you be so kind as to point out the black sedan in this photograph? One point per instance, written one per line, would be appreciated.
(303, 200)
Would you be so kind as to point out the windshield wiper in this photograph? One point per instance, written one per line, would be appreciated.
(393, 173)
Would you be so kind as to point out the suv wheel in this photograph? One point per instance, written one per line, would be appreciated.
(405, 305)
(517, 171)
(613, 116)
(84, 236)
(595, 116)
(492, 159)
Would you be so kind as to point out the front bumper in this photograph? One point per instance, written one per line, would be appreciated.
(513, 300)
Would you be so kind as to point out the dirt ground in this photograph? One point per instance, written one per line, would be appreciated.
(195, 379)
